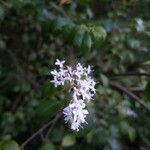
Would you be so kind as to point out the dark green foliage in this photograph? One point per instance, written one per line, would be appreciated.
(104, 34)
(147, 91)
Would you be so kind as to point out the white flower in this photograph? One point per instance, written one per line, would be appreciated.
(68, 114)
(55, 73)
(59, 63)
(55, 81)
(75, 114)
(88, 69)
(83, 89)
(75, 95)
(140, 25)
(131, 113)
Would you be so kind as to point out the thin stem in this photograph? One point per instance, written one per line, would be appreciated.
(52, 126)
(131, 74)
(39, 131)
(130, 94)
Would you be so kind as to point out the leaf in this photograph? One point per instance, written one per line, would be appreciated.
(77, 40)
(68, 32)
(68, 140)
(59, 23)
(131, 133)
(47, 146)
(47, 109)
(47, 88)
(79, 36)
(86, 42)
(104, 80)
(114, 143)
(147, 92)
(89, 137)
(9, 145)
(57, 134)
(98, 32)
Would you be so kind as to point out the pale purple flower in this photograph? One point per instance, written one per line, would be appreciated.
(131, 113)
(75, 114)
(140, 25)
(68, 114)
(82, 86)
(56, 82)
(88, 69)
(59, 63)
(55, 73)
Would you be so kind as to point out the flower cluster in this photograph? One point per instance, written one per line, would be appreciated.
(82, 88)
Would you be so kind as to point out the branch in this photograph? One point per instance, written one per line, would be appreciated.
(52, 126)
(130, 94)
(131, 74)
(39, 131)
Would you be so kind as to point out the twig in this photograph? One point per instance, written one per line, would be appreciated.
(130, 94)
(52, 126)
(42, 136)
(136, 89)
(131, 74)
(39, 131)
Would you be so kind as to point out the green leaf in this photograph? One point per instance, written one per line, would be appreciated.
(114, 143)
(104, 80)
(47, 109)
(9, 145)
(147, 92)
(57, 134)
(58, 24)
(68, 32)
(131, 133)
(86, 42)
(77, 40)
(89, 137)
(98, 32)
(47, 88)
(47, 146)
(68, 140)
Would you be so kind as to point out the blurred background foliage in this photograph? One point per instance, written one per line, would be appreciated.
(111, 35)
